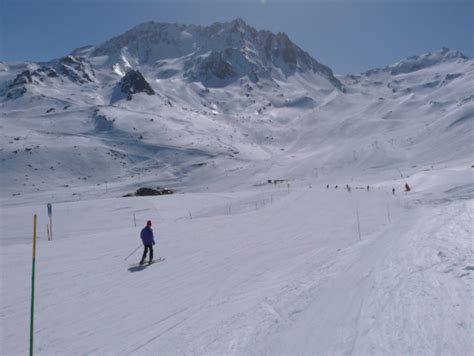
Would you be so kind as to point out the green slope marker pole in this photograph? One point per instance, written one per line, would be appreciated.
(33, 287)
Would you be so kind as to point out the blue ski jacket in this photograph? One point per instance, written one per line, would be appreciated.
(147, 236)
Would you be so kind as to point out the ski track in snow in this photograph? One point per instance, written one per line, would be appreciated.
(289, 278)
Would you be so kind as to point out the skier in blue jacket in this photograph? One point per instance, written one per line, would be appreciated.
(148, 241)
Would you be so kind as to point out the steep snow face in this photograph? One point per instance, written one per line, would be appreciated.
(215, 53)
(426, 60)
(415, 63)
(433, 107)
(38, 78)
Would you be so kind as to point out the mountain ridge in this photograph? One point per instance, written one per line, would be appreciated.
(420, 61)
(220, 113)
(235, 48)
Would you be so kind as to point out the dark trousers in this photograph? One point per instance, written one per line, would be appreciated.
(148, 247)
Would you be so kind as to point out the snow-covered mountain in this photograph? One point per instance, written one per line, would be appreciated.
(215, 55)
(187, 105)
(415, 63)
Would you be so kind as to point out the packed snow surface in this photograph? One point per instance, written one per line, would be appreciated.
(263, 270)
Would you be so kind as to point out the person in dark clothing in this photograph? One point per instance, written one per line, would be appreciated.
(148, 241)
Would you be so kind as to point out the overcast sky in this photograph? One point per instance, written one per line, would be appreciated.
(348, 35)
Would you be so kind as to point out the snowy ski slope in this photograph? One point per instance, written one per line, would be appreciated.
(260, 271)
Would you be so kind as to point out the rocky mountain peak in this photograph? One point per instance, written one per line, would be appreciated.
(212, 54)
(133, 82)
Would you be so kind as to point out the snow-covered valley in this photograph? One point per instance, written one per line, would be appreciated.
(252, 266)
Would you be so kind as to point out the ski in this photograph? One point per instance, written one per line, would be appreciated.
(160, 259)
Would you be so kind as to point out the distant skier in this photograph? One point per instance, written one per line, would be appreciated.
(407, 187)
(368, 187)
(393, 191)
(148, 241)
(327, 187)
(348, 187)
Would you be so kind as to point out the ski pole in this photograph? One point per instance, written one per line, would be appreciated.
(132, 252)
